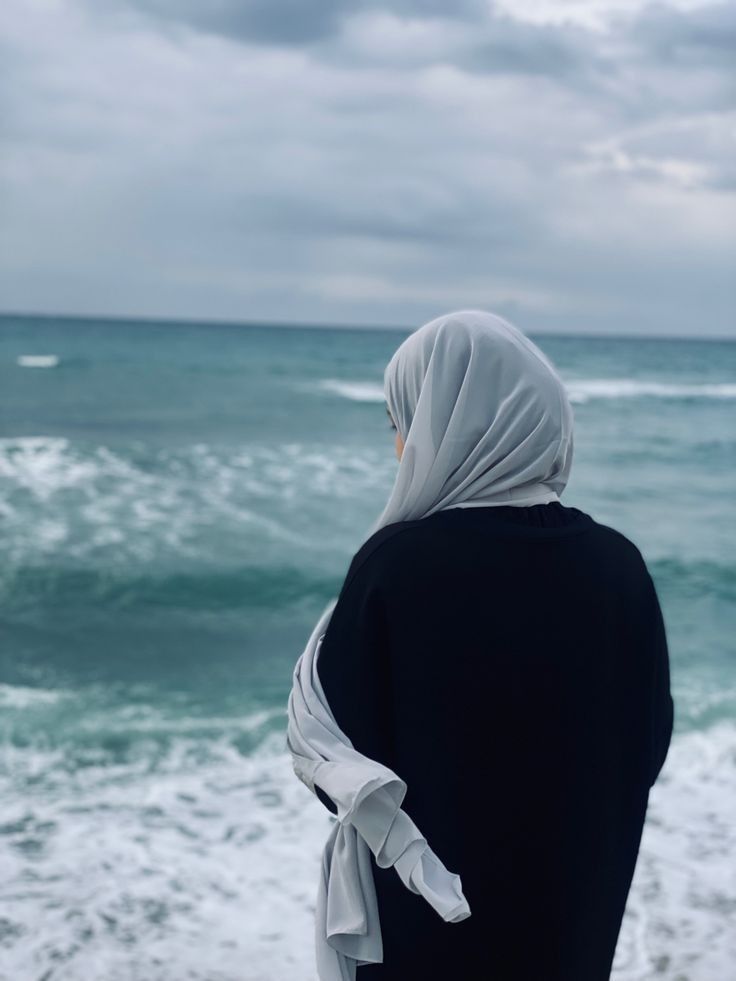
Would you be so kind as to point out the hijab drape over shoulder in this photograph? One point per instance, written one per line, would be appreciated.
(485, 421)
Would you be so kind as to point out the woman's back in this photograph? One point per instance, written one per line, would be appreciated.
(510, 665)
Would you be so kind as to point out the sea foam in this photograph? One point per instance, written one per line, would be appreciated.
(91, 501)
(205, 865)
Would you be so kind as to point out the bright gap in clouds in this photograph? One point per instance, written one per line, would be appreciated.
(593, 14)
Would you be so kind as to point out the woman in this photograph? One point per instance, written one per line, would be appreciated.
(503, 658)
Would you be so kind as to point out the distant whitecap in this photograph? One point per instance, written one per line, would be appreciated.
(579, 390)
(38, 360)
(357, 391)
(584, 389)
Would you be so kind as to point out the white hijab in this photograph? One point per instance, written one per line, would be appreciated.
(485, 421)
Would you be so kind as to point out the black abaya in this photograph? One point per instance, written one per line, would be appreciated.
(511, 665)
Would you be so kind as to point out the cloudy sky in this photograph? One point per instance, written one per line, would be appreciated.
(569, 164)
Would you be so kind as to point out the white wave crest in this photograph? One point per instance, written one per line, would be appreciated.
(38, 360)
(26, 697)
(142, 503)
(579, 390)
(356, 391)
(583, 390)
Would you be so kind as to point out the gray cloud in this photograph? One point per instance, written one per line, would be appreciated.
(368, 162)
(685, 38)
(283, 22)
(291, 22)
(495, 41)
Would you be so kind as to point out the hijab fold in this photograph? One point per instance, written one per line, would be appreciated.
(485, 421)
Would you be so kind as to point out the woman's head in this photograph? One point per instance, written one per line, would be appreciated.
(480, 413)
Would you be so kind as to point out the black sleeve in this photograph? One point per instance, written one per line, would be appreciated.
(662, 715)
(352, 665)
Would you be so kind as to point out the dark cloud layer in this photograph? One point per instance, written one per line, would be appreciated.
(292, 22)
(284, 22)
(704, 37)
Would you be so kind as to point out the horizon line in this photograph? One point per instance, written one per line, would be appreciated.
(321, 325)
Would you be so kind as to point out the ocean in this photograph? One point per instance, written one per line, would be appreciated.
(178, 503)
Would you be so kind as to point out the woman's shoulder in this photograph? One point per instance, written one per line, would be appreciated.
(381, 548)
(618, 540)
(402, 545)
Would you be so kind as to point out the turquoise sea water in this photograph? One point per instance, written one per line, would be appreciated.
(178, 503)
